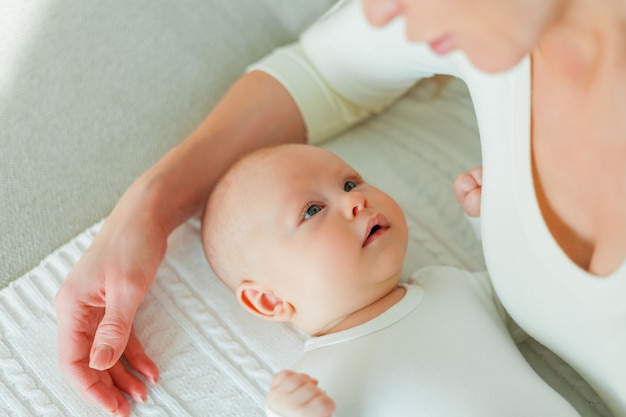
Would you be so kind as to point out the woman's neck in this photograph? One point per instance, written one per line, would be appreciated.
(587, 39)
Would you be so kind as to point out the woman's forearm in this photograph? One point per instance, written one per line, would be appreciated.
(256, 112)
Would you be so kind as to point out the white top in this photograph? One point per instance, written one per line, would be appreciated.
(344, 70)
(443, 350)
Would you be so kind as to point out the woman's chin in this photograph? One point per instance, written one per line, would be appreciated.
(494, 63)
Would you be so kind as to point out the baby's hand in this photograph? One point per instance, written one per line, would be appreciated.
(467, 187)
(297, 395)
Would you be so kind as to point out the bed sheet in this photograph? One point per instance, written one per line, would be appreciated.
(215, 358)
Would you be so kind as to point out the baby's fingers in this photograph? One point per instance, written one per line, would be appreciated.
(297, 395)
(467, 188)
(287, 380)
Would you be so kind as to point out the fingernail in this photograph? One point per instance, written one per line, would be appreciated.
(101, 358)
(139, 398)
(151, 379)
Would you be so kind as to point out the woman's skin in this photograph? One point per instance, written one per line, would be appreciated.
(578, 51)
(496, 37)
(119, 267)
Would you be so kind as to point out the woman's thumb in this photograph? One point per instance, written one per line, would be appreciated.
(112, 334)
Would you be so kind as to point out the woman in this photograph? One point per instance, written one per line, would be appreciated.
(548, 81)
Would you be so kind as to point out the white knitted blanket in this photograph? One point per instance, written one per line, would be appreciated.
(215, 358)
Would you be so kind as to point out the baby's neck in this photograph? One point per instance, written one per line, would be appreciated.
(366, 313)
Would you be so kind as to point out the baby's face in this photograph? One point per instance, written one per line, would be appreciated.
(329, 242)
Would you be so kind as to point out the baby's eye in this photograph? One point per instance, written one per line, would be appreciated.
(349, 185)
(312, 211)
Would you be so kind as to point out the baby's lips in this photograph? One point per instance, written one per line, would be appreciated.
(377, 219)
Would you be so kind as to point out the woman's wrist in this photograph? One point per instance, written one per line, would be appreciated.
(146, 202)
(163, 200)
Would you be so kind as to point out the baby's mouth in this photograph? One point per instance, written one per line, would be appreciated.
(374, 230)
(376, 226)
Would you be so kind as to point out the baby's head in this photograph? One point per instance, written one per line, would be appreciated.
(298, 236)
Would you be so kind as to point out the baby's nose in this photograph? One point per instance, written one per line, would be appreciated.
(354, 202)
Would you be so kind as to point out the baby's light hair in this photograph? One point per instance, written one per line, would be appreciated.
(223, 233)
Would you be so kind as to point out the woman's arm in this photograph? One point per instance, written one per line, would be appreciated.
(256, 112)
(97, 303)
(342, 72)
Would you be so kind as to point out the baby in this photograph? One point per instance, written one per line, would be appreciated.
(300, 237)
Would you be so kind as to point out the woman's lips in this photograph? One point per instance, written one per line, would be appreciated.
(443, 45)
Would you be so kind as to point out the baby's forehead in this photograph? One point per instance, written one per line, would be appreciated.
(287, 168)
(272, 182)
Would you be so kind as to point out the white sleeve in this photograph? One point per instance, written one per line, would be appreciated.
(344, 70)
(325, 112)
(475, 223)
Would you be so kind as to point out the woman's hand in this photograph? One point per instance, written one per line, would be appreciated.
(95, 310)
(97, 303)
(297, 395)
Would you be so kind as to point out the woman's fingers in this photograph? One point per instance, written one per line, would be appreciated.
(139, 361)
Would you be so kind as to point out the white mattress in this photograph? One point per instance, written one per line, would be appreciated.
(216, 359)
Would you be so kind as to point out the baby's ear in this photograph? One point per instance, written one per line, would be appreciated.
(263, 303)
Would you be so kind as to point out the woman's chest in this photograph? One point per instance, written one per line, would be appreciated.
(578, 145)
